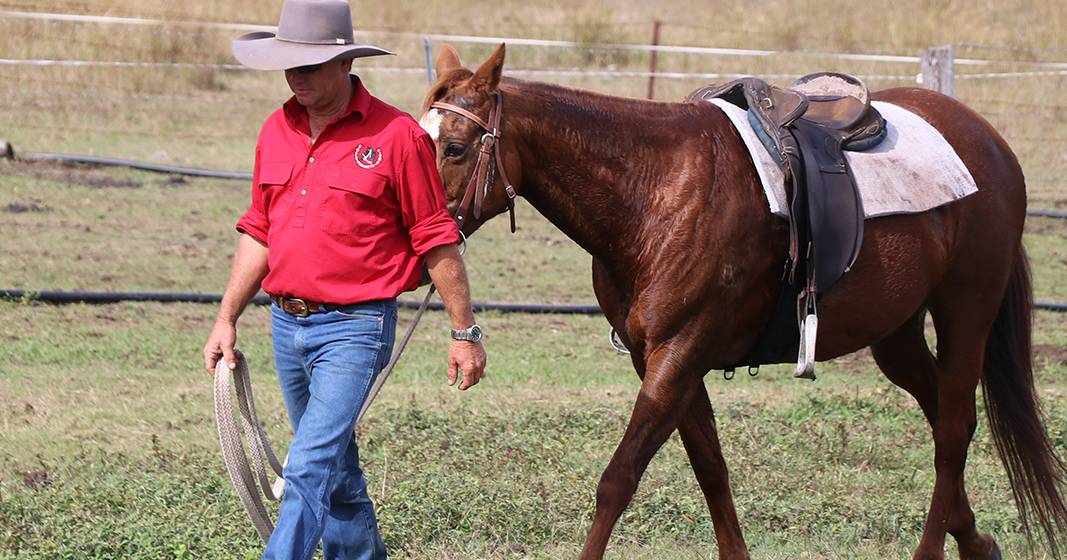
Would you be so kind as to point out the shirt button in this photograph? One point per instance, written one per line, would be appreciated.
(311, 159)
(303, 191)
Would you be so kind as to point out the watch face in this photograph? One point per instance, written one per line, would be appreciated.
(476, 333)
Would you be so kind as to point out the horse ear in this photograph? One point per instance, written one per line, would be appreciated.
(487, 78)
(447, 59)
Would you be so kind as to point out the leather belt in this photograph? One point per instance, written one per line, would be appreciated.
(300, 307)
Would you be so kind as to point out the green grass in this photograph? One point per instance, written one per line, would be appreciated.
(110, 403)
(107, 444)
(119, 417)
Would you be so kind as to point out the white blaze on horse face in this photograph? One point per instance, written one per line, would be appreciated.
(431, 122)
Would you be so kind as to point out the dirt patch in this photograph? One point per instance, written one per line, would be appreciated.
(185, 250)
(856, 361)
(18, 208)
(1051, 352)
(110, 183)
(69, 173)
(36, 478)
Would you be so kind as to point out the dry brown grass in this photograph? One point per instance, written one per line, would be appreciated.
(209, 116)
(772, 24)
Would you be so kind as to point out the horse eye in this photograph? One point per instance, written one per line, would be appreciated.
(454, 149)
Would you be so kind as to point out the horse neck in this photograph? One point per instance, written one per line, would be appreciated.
(590, 161)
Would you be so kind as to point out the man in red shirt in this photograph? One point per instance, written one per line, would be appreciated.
(347, 205)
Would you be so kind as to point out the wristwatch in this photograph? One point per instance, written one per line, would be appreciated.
(472, 333)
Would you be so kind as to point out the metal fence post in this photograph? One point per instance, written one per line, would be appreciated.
(429, 58)
(652, 60)
(937, 70)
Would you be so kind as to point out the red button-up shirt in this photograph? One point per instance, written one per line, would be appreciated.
(346, 219)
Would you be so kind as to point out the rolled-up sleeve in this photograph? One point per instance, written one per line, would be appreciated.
(254, 222)
(422, 197)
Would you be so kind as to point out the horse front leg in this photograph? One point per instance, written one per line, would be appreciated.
(666, 392)
(701, 439)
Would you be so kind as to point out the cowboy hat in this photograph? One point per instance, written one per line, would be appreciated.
(309, 32)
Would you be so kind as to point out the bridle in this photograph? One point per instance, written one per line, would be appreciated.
(488, 155)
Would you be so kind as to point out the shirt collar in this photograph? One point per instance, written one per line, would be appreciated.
(358, 105)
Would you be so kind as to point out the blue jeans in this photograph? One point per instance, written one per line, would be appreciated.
(326, 364)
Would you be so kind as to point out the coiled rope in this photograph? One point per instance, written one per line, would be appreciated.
(238, 466)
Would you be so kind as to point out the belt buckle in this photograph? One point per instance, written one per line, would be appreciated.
(296, 306)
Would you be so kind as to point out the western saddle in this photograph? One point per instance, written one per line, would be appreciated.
(806, 128)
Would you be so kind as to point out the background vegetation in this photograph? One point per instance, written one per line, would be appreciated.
(107, 445)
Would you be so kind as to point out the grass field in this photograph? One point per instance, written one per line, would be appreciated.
(107, 444)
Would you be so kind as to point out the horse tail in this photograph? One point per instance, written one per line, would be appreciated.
(1014, 412)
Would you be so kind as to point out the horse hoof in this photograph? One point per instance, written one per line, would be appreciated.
(994, 553)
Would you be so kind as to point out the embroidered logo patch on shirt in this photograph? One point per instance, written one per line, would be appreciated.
(367, 157)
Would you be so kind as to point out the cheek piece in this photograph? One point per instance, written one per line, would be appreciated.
(489, 162)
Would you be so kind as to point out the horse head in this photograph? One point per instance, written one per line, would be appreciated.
(463, 114)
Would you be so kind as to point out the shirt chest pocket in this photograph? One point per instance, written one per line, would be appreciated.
(276, 189)
(354, 202)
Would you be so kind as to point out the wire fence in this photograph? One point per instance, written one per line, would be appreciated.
(166, 64)
(166, 90)
(133, 76)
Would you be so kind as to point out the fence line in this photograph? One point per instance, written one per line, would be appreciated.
(202, 136)
(46, 16)
(114, 63)
(1035, 73)
(516, 72)
(419, 70)
(98, 91)
(477, 39)
(977, 46)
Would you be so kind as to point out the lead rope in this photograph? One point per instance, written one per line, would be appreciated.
(230, 436)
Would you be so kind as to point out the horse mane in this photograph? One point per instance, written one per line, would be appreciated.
(593, 101)
(565, 96)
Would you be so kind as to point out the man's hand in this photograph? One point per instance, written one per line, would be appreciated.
(450, 276)
(467, 358)
(220, 345)
(249, 269)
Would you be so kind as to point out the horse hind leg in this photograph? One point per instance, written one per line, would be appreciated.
(701, 439)
(906, 360)
(666, 391)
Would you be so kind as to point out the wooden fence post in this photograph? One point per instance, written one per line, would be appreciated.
(937, 70)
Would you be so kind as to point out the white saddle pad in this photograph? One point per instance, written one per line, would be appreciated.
(885, 174)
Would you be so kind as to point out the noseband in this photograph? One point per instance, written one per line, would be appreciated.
(489, 159)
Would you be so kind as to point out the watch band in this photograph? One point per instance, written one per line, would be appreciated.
(472, 333)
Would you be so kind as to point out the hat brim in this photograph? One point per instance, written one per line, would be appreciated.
(261, 50)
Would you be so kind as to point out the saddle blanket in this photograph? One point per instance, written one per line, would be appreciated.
(885, 174)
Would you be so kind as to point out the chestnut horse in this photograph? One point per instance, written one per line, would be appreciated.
(687, 261)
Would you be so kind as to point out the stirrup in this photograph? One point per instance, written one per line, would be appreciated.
(809, 328)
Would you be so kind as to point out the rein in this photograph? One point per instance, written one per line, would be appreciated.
(489, 160)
